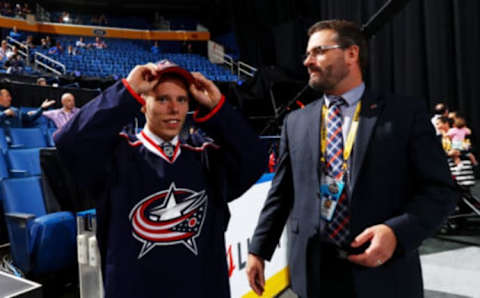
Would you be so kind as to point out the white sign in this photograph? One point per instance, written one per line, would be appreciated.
(245, 212)
(215, 52)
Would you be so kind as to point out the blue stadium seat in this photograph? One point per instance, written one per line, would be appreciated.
(40, 242)
(3, 142)
(24, 162)
(27, 137)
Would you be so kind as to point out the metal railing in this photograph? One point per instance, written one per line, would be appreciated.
(23, 50)
(37, 61)
(244, 69)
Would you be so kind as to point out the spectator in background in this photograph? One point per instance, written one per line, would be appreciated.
(442, 125)
(71, 50)
(65, 113)
(57, 49)
(102, 20)
(15, 34)
(14, 63)
(43, 43)
(29, 42)
(65, 18)
(48, 41)
(42, 82)
(155, 48)
(26, 10)
(458, 135)
(81, 44)
(4, 50)
(440, 110)
(13, 117)
(99, 43)
(18, 11)
(6, 10)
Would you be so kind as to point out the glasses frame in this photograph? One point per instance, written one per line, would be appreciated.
(320, 50)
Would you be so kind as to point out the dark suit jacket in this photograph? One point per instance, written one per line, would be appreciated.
(398, 176)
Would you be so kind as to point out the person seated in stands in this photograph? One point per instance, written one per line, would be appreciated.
(102, 20)
(29, 42)
(48, 41)
(18, 11)
(155, 49)
(43, 43)
(71, 50)
(62, 115)
(14, 63)
(81, 44)
(15, 34)
(65, 18)
(6, 10)
(42, 82)
(57, 49)
(26, 9)
(458, 135)
(99, 43)
(13, 117)
(3, 51)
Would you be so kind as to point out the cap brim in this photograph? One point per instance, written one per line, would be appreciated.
(185, 74)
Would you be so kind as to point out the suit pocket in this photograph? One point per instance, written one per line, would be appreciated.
(294, 225)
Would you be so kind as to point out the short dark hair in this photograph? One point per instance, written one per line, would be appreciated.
(348, 34)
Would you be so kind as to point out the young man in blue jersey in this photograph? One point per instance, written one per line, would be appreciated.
(161, 202)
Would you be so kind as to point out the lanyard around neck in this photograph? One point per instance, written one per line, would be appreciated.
(350, 138)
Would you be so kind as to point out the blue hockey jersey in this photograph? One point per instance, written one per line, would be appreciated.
(161, 220)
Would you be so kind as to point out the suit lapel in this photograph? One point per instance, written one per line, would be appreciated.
(312, 120)
(371, 108)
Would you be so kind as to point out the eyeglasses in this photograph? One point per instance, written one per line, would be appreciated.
(320, 50)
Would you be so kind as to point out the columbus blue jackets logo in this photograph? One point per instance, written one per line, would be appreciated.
(169, 217)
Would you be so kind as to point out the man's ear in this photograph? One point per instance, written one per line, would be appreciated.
(353, 54)
(142, 109)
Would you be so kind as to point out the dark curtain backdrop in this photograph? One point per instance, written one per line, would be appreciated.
(430, 49)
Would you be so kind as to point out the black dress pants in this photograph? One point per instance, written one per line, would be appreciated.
(328, 274)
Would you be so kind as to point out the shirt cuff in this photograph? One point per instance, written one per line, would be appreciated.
(133, 93)
(198, 118)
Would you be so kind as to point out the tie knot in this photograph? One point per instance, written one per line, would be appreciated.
(168, 149)
(336, 101)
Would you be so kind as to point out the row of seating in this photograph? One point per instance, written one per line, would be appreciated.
(40, 242)
(26, 138)
(122, 55)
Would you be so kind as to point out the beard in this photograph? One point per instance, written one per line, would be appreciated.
(327, 78)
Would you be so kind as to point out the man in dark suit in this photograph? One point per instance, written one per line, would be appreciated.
(361, 177)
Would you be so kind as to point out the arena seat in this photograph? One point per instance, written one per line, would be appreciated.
(24, 162)
(40, 242)
(27, 137)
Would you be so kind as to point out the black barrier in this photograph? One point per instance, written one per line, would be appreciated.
(32, 95)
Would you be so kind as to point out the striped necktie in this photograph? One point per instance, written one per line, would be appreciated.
(338, 228)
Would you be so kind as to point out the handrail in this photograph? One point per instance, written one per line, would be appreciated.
(226, 59)
(245, 69)
(20, 47)
(38, 62)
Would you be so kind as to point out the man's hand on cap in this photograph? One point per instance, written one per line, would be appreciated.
(205, 91)
(143, 78)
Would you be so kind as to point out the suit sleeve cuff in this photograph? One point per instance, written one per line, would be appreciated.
(133, 93)
(203, 118)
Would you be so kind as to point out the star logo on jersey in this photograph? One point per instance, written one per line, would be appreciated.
(169, 217)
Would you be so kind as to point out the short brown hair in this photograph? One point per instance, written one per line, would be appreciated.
(348, 34)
